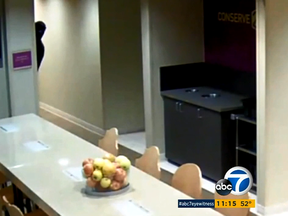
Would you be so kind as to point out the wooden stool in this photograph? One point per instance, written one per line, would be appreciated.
(188, 179)
(5, 191)
(109, 142)
(15, 211)
(233, 211)
(149, 162)
(8, 192)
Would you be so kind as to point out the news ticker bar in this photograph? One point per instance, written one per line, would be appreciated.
(217, 203)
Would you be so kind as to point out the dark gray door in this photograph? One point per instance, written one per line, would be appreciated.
(192, 150)
(210, 142)
(175, 136)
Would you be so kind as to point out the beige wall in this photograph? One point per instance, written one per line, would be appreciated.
(70, 78)
(121, 64)
(272, 104)
(172, 33)
(176, 37)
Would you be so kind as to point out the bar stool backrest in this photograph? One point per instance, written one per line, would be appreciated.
(109, 142)
(188, 179)
(149, 162)
(12, 209)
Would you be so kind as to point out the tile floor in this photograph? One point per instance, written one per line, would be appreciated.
(134, 141)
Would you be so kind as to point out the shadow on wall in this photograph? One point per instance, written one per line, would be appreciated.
(40, 29)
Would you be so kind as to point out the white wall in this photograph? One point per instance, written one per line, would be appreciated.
(172, 34)
(4, 102)
(20, 36)
(70, 75)
(272, 118)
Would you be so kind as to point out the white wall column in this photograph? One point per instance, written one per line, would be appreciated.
(4, 98)
(146, 53)
(272, 106)
(21, 36)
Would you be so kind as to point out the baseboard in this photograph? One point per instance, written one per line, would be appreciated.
(72, 119)
(281, 208)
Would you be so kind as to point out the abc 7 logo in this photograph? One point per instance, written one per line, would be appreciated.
(237, 181)
(223, 187)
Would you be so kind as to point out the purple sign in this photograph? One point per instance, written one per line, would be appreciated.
(230, 33)
(22, 60)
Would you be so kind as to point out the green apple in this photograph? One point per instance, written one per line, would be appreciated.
(97, 175)
(109, 157)
(120, 158)
(108, 169)
(98, 163)
(106, 161)
(105, 182)
(125, 164)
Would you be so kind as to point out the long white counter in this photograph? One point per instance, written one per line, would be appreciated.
(42, 172)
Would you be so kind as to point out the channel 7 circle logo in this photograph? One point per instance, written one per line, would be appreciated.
(237, 181)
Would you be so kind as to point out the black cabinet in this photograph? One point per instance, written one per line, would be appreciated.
(197, 135)
(179, 127)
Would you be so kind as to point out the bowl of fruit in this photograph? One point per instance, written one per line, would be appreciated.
(107, 175)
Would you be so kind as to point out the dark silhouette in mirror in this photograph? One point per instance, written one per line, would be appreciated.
(40, 29)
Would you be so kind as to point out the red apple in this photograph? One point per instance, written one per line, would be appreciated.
(87, 161)
(120, 175)
(115, 185)
(91, 183)
(88, 169)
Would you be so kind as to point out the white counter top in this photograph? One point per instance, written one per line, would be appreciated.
(41, 175)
